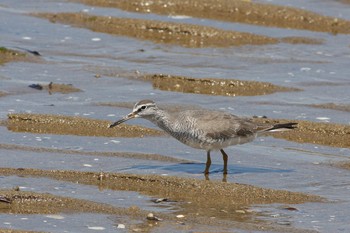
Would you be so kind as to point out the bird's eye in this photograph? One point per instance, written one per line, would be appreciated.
(143, 107)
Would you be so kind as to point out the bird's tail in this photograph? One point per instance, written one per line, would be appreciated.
(282, 127)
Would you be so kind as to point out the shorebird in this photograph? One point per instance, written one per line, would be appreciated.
(203, 129)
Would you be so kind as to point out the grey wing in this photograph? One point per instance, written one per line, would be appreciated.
(220, 125)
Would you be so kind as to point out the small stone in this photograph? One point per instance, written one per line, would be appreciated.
(286, 223)
(36, 86)
(121, 226)
(55, 216)
(290, 208)
(96, 228)
(160, 200)
(134, 208)
(151, 217)
(4, 199)
(240, 211)
(180, 216)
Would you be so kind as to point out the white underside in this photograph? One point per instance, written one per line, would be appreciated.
(209, 145)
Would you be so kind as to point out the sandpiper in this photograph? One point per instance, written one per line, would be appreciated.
(203, 129)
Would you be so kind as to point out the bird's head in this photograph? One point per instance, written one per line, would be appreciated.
(143, 108)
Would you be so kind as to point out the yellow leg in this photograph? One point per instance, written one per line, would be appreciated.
(207, 165)
(225, 158)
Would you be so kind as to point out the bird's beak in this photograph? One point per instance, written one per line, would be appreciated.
(127, 117)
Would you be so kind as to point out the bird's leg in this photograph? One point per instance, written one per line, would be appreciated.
(208, 163)
(224, 178)
(225, 158)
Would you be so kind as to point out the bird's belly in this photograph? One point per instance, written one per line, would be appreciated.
(212, 144)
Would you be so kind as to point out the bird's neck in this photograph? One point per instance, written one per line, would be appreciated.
(162, 120)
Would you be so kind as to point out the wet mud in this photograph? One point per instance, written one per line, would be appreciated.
(234, 11)
(328, 134)
(192, 195)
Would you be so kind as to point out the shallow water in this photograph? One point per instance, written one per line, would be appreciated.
(74, 56)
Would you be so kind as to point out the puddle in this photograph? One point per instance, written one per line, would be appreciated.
(64, 222)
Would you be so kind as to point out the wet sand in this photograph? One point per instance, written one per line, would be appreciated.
(175, 188)
(154, 157)
(207, 86)
(338, 107)
(186, 35)
(205, 203)
(306, 132)
(235, 11)
(18, 231)
(10, 55)
(193, 195)
(332, 106)
(67, 125)
(61, 88)
(56, 88)
(204, 86)
(343, 165)
(327, 134)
